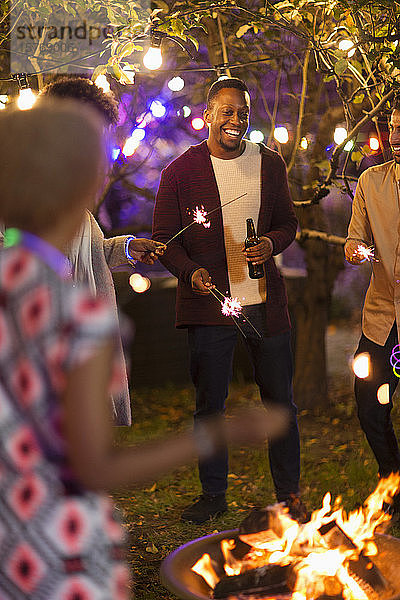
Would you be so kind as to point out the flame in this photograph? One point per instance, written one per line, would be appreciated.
(231, 307)
(200, 217)
(303, 546)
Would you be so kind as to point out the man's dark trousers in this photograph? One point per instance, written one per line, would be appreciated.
(211, 357)
(375, 417)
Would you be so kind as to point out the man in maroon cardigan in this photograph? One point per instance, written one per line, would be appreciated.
(209, 175)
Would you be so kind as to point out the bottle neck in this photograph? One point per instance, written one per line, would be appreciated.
(251, 230)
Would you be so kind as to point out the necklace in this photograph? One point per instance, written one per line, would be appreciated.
(55, 259)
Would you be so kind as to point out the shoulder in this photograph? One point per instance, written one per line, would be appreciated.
(271, 156)
(377, 171)
(193, 155)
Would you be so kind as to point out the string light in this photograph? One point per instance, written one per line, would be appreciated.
(176, 84)
(374, 143)
(281, 134)
(3, 101)
(347, 46)
(26, 98)
(102, 82)
(157, 109)
(339, 135)
(133, 141)
(256, 136)
(152, 60)
(198, 123)
(304, 143)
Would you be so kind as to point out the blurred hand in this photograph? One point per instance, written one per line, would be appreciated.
(352, 253)
(253, 426)
(261, 252)
(201, 281)
(145, 250)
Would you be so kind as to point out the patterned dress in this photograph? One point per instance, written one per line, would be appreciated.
(57, 540)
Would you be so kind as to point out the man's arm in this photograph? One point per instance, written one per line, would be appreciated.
(359, 232)
(166, 223)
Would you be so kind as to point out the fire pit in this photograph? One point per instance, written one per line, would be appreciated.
(273, 556)
(177, 575)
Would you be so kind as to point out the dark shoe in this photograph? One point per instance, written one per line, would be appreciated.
(297, 509)
(205, 508)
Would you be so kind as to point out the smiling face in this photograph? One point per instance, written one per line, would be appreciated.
(394, 134)
(227, 119)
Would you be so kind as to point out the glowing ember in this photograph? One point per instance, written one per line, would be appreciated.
(200, 217)
(231, 307)
(395, 360)
(366, 253)
(325, 556)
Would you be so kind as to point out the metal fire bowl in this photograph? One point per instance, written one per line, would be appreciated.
(178, 578)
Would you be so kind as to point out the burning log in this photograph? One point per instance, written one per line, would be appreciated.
(361, 568)
(269, 577)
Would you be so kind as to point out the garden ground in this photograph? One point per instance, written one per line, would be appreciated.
(335, 458)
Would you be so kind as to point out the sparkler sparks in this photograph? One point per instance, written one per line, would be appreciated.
(366, 253)
(200, 217)
(231, 307)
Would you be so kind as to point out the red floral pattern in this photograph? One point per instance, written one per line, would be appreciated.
(54, 545)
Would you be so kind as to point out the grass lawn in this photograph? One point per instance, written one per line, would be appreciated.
(335, 458)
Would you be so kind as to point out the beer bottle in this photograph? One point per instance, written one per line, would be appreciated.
(255, 271)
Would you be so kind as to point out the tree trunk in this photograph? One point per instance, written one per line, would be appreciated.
(311, 298)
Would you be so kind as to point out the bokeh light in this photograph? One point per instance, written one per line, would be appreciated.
(157, 109)
(198, 123)
(138, 283)
(361, 365)
(176, 84)
(281, 134)
(256, 136)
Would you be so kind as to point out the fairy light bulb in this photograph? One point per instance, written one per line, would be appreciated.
(3, 101)
(374, 143)
(256, 136)
(26, 99)
(152, 60)
(347, 46)
(304, 143)
(339, 135)
(176, 84)
(281, 134)
(102, 82)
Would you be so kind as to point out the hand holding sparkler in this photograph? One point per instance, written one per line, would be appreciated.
(357, 253)
(201, 281)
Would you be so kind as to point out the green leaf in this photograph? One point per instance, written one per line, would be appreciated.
(341, 66)
(242, 30)
(99, 70)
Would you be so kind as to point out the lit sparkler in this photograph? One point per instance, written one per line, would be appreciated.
(395, 360)
(200, 216)
(231, 307)
(367, 253)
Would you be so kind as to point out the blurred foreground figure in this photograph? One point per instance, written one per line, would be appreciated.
(59, 538)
